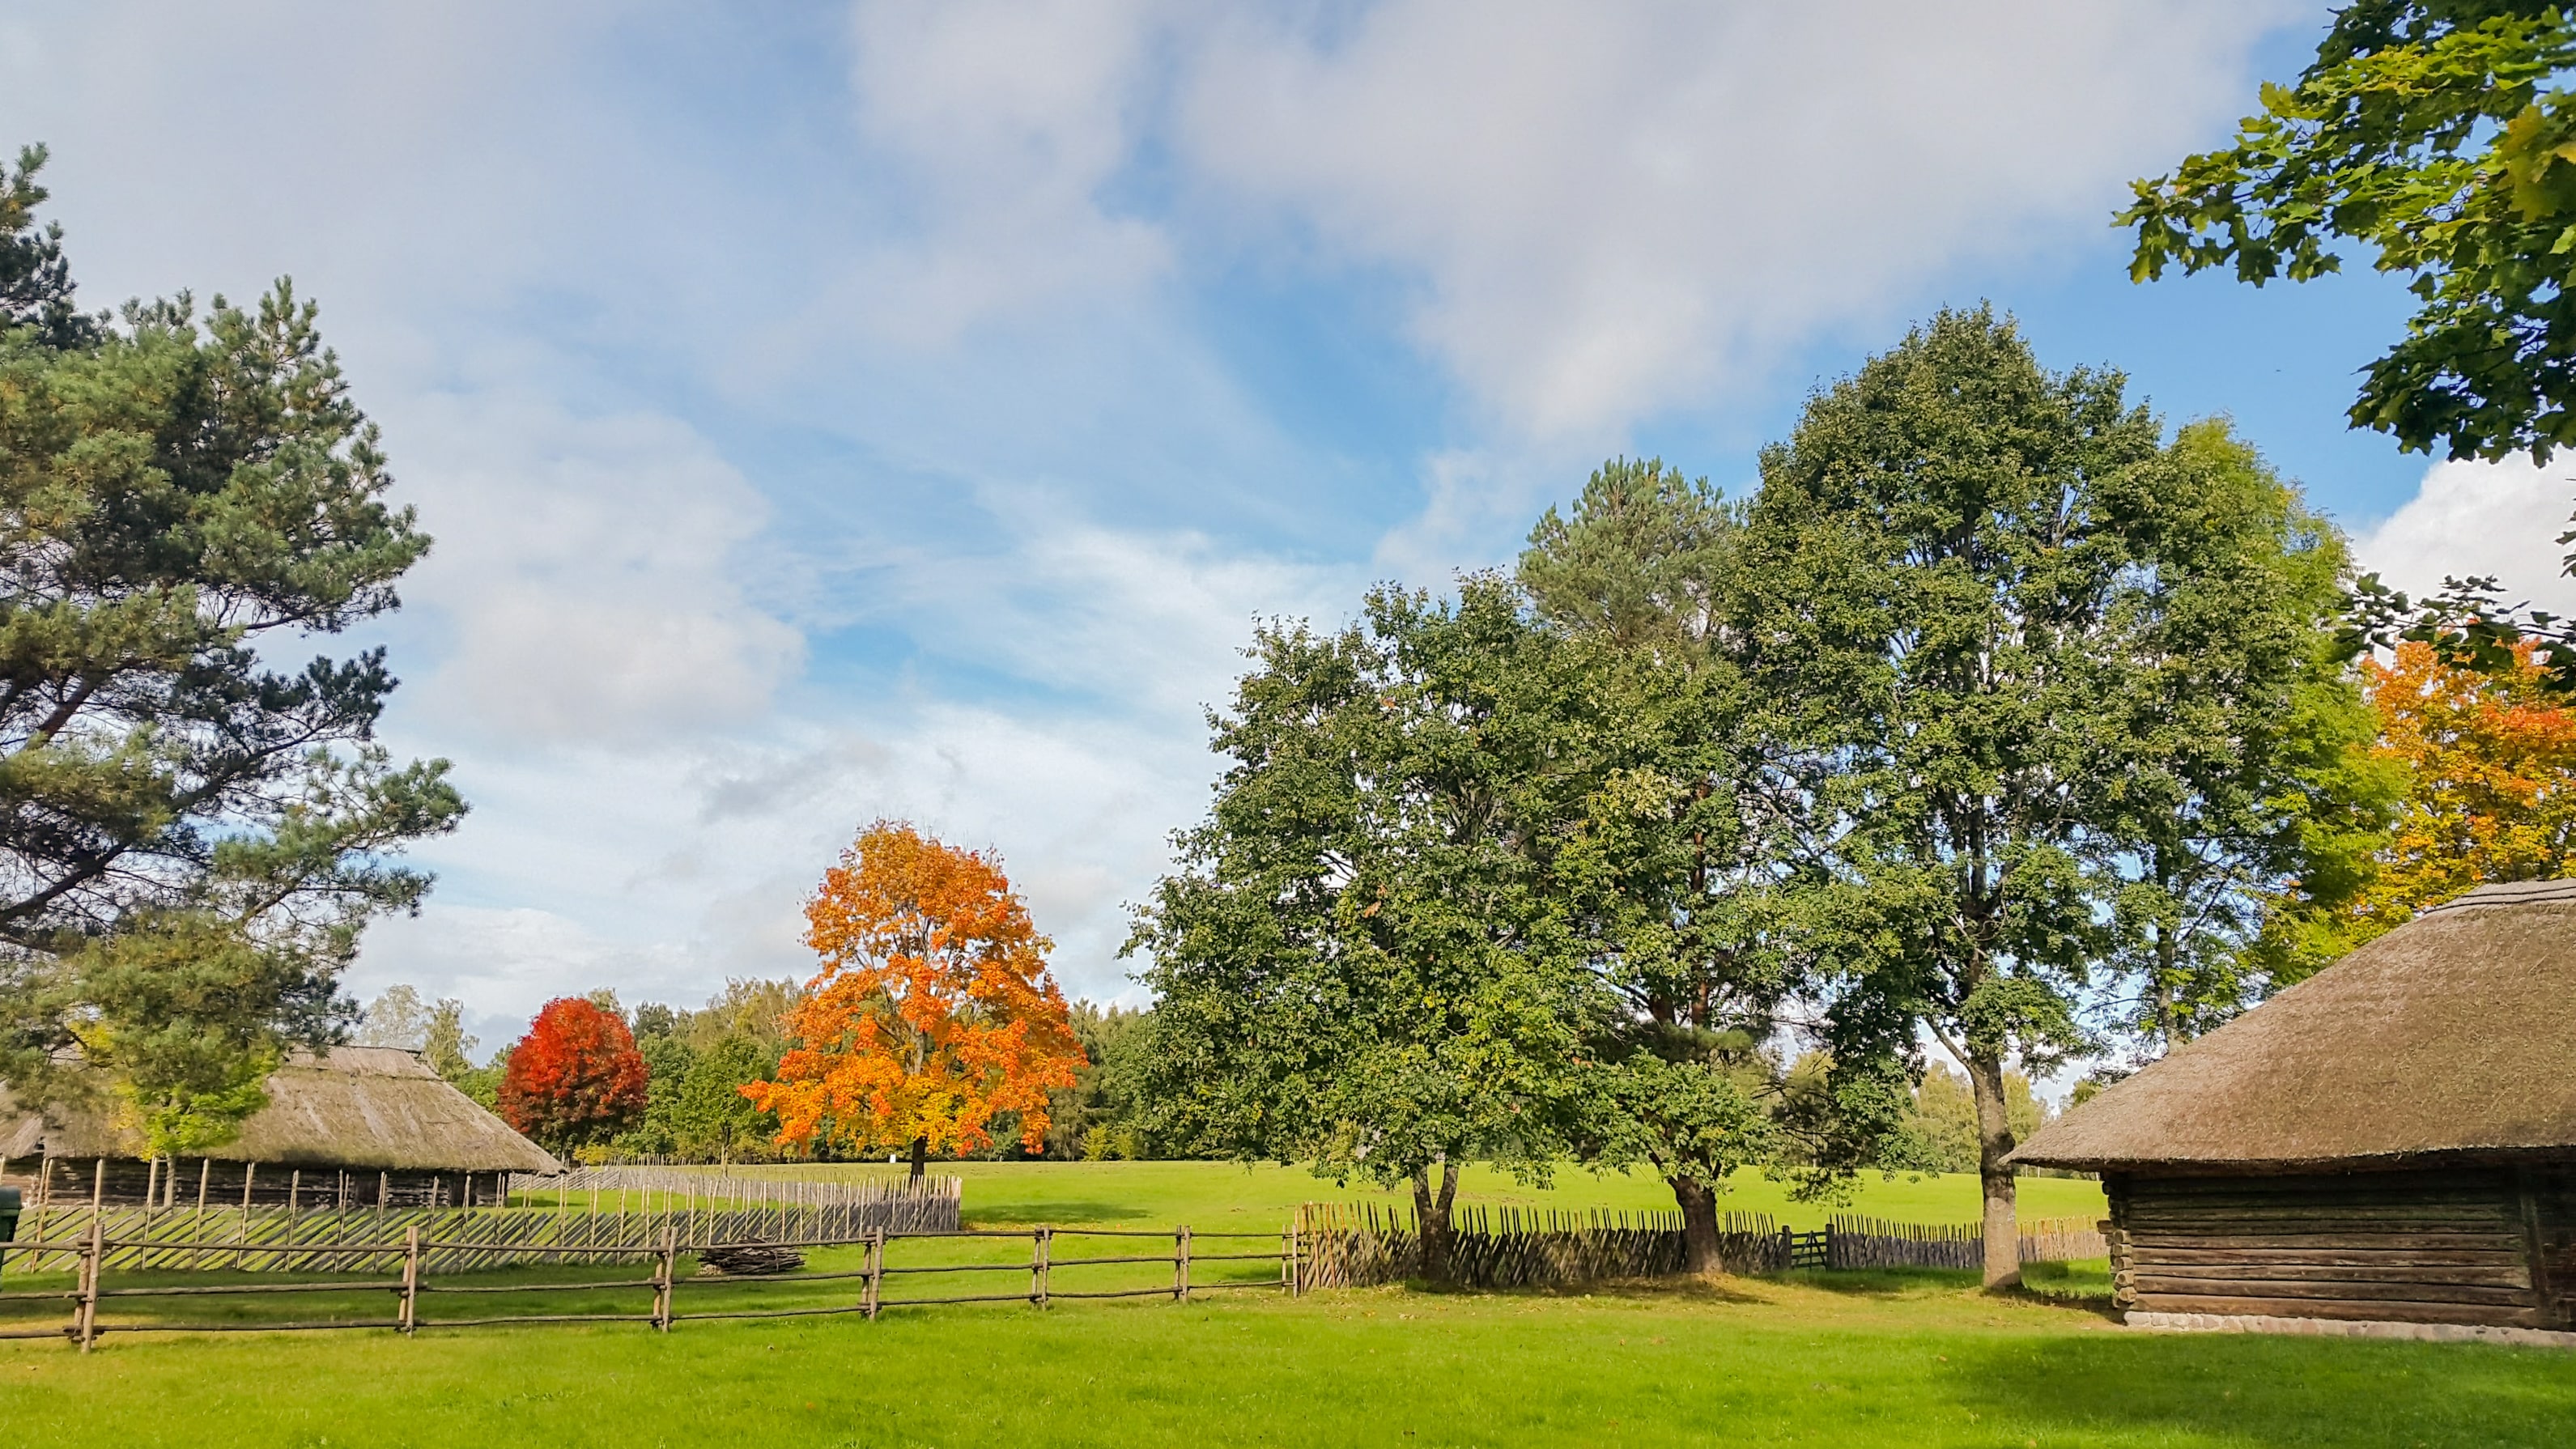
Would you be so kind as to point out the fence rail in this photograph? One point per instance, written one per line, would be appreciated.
(404, 1274)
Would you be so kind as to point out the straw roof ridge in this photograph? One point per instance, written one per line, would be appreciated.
(367, 1107)
(2451, 1038)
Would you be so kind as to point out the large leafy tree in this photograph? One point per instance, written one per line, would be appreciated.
(1985, 586)
(192, 834)
(1361, 964)
(933, 1014)
(1670, 867)
(2440, 135)
(576, 1079)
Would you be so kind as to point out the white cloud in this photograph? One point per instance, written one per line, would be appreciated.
(1008, 120)
(588, 572)
(2471, 519)
(1614, 208)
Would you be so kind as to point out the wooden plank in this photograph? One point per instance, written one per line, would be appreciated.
(2378, 1311)
(2344, 1289)
(2498, 1275)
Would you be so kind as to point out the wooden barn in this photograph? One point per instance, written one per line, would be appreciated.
(2391, 1142)
(355, 1127)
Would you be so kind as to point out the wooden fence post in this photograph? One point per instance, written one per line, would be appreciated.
(1288, 1260)
(875, 1273)
(411, 1280)
(1181, 1264)
(85, 1311)
(662, 1276)
(1040, 1241)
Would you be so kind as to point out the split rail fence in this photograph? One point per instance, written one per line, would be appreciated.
(401, 1270)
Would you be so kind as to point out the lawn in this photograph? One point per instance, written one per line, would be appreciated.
(1912, 1359)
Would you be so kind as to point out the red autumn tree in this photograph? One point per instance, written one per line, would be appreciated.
(933, 1013)
(575, 1078)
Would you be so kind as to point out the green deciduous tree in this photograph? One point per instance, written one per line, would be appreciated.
(2229, 765)
(1667, 866)
(2441, 136)
(1984, 585)
(191, 837)
(1359, 965)
(2438, 134)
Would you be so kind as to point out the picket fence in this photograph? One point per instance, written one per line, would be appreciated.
(612, 1225)
(1359, 1245)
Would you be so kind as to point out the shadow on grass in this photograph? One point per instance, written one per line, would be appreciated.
(2255, 1389)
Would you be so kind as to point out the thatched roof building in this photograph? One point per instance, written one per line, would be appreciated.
(2392, 1140)
(349, 1125)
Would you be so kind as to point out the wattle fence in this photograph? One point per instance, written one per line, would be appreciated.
(582, 1223)
(1360, 1245)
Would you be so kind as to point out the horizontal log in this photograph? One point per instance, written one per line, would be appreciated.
(2338, 1212)
(2437, 1264)
(2496, 1275)
(2360, 1243)
(2381, 1184)
(2388, 1292)
(2346, 1309)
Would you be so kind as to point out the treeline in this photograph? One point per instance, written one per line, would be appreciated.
(692, 1065)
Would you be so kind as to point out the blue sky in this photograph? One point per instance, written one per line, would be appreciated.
(835, 411)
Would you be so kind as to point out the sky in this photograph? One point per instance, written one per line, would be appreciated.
(832, 412)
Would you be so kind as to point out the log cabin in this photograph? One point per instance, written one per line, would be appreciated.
(350, 1128)
(2387, 1145)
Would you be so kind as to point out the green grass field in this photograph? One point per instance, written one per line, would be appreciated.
(1915, 1359)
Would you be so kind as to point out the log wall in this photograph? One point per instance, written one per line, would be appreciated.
(2493, 1246)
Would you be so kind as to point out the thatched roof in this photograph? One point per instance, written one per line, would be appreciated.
(2451, 1038)
(379, 1108)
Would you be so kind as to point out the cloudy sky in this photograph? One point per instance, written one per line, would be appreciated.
(833, 411)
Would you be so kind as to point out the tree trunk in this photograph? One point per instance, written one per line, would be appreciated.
(1699, 1223)
(1431, 1216)
(920, 1157)
(1994, 1141)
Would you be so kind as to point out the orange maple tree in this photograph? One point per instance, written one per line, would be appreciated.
(933, 1012)
(2490, 764)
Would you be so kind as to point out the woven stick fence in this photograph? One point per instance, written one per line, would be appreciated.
(620, 1226)
(1362, 1244)
(1857, 1242)
(725, 1184)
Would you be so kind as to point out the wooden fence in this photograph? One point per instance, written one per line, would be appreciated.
(630, 1224)
(722, 1183)
(1357, 1245)
(1856, 1242)
(401, 1269)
